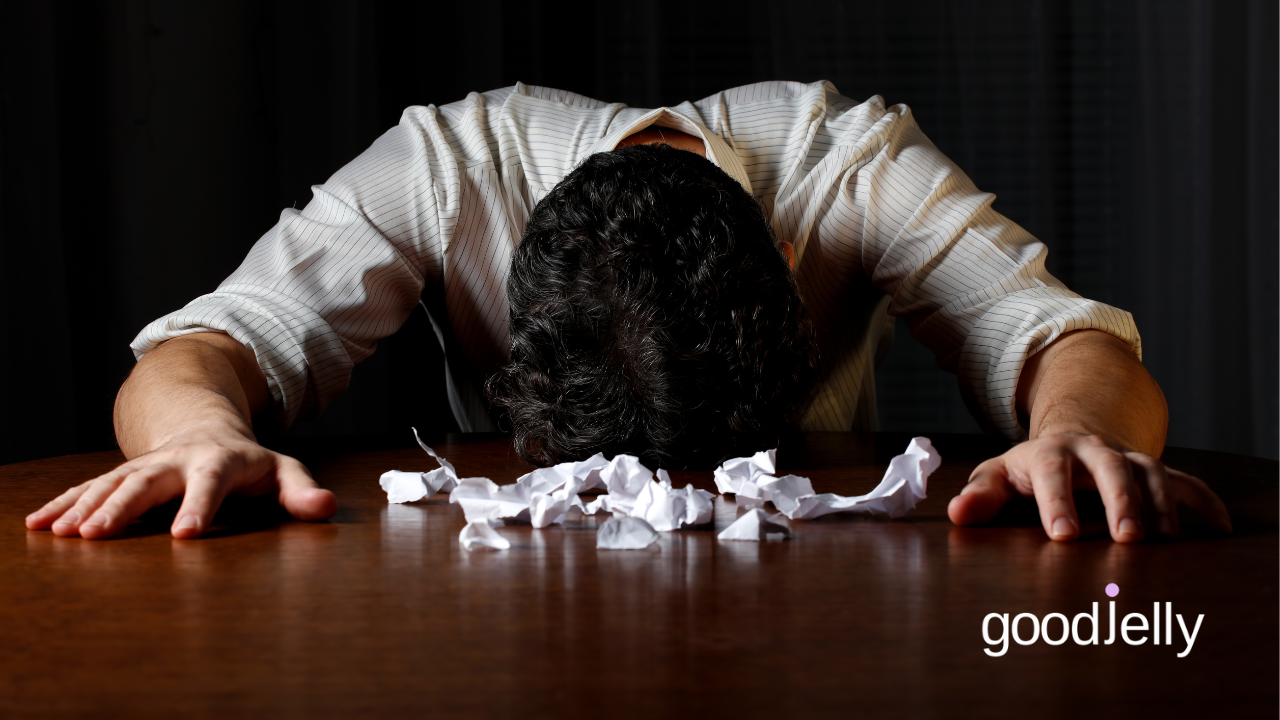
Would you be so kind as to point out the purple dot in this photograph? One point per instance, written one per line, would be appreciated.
(1112, 589)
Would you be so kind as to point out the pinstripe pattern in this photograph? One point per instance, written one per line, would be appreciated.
(883, 224)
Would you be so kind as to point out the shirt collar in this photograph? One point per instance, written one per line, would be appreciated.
(718, 151)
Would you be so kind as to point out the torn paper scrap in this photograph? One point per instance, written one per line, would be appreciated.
(403, 487)
(545, 496)
(585, 474)
(741, 476)
(787, 486)
(444, 477)
(480, 533)
(902, 488)
(755, 525)
(627, 533)
(542, 497)
(624, 477)
(599, 505)
(483, 499)
(546, 510)
(746, 477)
(667, 509)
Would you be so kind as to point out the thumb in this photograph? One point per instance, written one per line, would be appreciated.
(982, 498)
(299, 493)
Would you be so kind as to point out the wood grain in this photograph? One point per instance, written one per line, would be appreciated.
(381, 611)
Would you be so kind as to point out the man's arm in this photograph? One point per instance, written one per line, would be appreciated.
(1097, 420)
(974, 287)
(184, 421)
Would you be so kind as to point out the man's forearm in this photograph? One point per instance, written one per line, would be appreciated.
(184, 420)
(202, 384)
(1091, 382)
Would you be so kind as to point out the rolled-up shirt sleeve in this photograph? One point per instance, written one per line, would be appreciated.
(320, 288)
(972, 284)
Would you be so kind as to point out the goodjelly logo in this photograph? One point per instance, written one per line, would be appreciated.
(1056, 629)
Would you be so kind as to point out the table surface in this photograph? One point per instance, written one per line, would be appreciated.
(381, 610)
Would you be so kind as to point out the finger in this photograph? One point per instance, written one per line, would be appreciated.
(1195, 494)
(1153, 480)
(1113, 477)
(139, 492)
(68, 524)
(1050, 471)
(204, 494)
(299, 493)
(979, 501)
(43, 518)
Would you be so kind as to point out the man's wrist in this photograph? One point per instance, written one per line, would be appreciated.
(206, 432)
(1093, 384)
(191, 417)
(1086, 416)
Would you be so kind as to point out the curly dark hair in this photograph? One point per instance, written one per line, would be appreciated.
(654, 313)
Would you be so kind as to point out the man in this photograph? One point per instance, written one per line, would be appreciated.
(691, 281)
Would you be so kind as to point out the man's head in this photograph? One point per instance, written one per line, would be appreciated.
(652, 313)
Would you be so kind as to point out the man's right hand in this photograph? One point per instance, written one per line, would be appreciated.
(202, 470)
(183, 419)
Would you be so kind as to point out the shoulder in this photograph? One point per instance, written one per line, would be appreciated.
(773, 91)
(559, 97)
(506, 99)
(803, 104)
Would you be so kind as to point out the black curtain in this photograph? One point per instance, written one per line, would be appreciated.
(144, 146)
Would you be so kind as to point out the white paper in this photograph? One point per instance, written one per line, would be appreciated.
(480, 533)
(624, 477)
(904, 485)
(755, 525)
(584, 473)
(443, 478)
(599, 505)
(626, 533)
(742, 476)
(667, 509)
(542, 497)
(747, 477)
(403, 487)
(546, 510)
(489, 501)
(545, 496)
(902, 488)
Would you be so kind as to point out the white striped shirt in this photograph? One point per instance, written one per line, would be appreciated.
(882, 223)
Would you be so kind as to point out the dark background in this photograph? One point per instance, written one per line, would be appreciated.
(144, 146)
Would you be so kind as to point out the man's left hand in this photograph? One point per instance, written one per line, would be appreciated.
(1140, 493)
(1097, 421)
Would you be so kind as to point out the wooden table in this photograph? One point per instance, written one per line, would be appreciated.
(382, 612)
